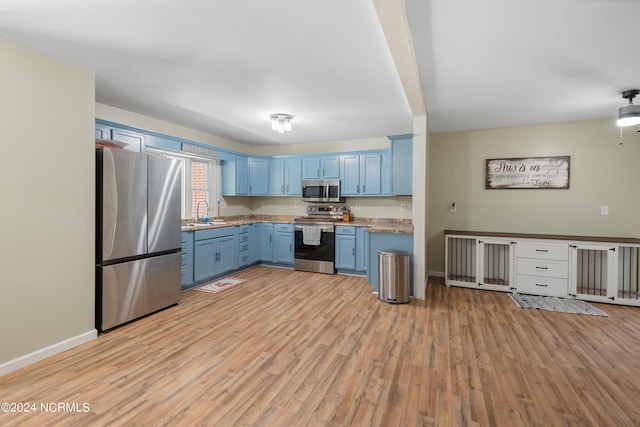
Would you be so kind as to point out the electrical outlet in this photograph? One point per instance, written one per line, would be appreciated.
(403, 206)
(262, 204)
(604, 210)
(295, 205)
(357, 205)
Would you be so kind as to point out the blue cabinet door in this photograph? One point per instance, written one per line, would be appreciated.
(345, 251)
(350, 174)
(283, 251)
(293, 176)
(103, 131)
(362, 248)
(266, 243)
(330, 166)
(401, 165)
(276, 177)
(227, 254)
(204, 261)
(134, 140)
(258, 176)
(370, 174)
(242, 175)
(235, 176)
(385, 172)
(310, 167)
(256, 242)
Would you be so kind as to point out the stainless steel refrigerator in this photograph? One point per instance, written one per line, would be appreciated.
(138, 200)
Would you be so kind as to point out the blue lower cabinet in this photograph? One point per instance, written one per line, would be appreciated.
(362, 245)
(186, 267)
(256, 242)
(244, 245)
(266, 243)
(215, 252)
(283, 249)
(345, 247)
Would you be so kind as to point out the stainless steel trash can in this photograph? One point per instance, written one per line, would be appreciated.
(393, 277)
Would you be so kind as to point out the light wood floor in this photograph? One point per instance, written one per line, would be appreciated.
(295, 349)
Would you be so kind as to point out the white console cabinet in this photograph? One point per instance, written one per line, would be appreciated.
(589, 268)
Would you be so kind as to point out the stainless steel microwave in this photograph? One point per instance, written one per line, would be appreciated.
(321, 190)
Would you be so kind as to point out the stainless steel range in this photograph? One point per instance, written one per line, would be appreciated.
(315, 239)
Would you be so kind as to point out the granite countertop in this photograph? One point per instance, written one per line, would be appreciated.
(374, 225)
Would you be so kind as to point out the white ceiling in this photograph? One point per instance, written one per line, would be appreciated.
(223, 66)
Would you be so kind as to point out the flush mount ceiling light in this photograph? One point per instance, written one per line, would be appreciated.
(629, 115)
(281, 122)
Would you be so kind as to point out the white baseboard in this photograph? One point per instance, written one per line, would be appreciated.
(436, 273)
(43, 353)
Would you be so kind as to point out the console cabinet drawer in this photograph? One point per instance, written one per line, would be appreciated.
(543, 268)
(542, 286)
(543, 250)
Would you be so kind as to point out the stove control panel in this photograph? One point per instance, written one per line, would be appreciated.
(333, 211)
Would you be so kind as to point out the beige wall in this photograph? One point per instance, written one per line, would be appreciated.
(47, 215)
(602, 173)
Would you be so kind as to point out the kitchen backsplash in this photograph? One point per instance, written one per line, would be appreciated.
(361, 207)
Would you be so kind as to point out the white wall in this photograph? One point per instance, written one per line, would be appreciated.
(602, 173)
(47, 217)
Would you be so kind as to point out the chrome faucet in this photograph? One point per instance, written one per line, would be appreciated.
(198, 208)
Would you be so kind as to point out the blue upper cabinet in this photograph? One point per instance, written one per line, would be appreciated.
(370, 174)
(235, 176)
(321, 167)
(134, 140)
(103, 131)
(276, 177)
(350, 174)
(385, 173)
(258, 176)
(401, 148)
(285, 176)
(361, 174)
(293, 176)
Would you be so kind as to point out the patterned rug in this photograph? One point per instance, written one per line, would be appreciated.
(562, 305)
(219, 285)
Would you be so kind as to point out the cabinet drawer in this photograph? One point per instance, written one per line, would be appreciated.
(542, 286)
(243, 229)
(543, 268)
(243, 257)
(341, 229)
(286, 228)
(243, 247)
(243, 238)
(543, 250)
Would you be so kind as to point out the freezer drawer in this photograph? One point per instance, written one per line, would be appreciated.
(130, 290)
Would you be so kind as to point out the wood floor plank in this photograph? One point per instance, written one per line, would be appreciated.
(297, 348)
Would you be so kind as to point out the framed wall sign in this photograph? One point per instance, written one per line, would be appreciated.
(528, 173)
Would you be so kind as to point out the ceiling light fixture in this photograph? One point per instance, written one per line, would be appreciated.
(281, 122)
(629, 115)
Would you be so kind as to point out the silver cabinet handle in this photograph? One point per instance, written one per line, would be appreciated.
(542, 268)
(364, 188)
(250, 189)
(542, 250)
(322, 172)
(357, 188)
(282, 189)
(318, 173)
(353, 251)
(287, 188)
(541, 285)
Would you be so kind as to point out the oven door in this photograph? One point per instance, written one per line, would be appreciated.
(320, 258)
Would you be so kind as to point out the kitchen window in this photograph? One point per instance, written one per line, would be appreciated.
(201, 180)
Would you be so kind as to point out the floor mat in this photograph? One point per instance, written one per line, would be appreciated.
(219, 285)
(562, 305)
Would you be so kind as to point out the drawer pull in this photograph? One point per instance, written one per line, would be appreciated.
(542, 268)
(541, 285)
(542, 250)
